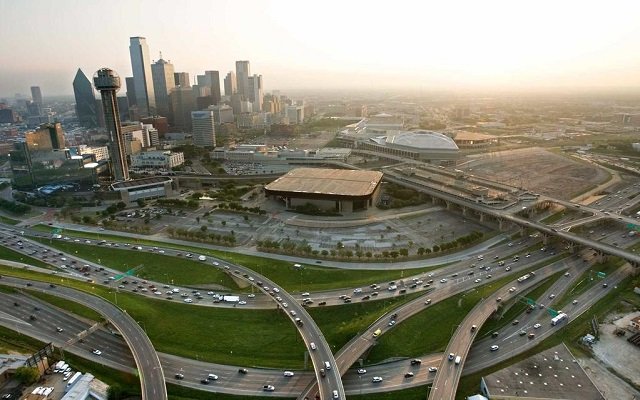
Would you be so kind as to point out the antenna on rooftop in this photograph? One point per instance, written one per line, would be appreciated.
(161, 55)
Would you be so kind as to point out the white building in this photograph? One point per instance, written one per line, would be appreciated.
(146, 134)
(203, 128)
(100, 152)
(222, 114)
(157, 159)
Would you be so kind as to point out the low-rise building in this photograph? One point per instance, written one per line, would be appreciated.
(157, 160)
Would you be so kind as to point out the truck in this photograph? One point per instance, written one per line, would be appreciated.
(558, 318)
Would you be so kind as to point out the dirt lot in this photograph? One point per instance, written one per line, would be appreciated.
(536, 169)
(612, 387)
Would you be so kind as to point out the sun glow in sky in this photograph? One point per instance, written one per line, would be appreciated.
(415, 44)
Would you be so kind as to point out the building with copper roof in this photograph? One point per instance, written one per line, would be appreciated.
(553, 374)
(336, 190)
(471, 140)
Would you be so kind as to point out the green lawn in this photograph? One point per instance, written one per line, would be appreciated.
(11, 255)
(518, 307)
(156, 267)
(8, 221)
(587, 280)
(430, 330)
(68, 305)
(310, 278)
(569, 334)
(341, 323)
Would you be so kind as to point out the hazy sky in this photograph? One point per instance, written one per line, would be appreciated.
(330, 44)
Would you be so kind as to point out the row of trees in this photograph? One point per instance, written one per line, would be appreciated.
(203, 236)
(288, 246)
(178, 203)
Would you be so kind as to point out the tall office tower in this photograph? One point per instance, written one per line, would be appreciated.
(163, 82)
(230, 84)
(108, 83)
(142, 80)
(203, 131)
(86, 107)
(123, 108)
(33, 108)
(256, 94)
(214, 79)
(181, 79)
(36, 95)
(183, 102)
(131, 91)
(242, 78)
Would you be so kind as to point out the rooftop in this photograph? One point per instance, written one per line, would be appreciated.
(341, 182)
(551, 374)
(140, 182)
(419, 140)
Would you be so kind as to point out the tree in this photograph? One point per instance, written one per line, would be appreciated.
(121, 205)
(224, 223)
(141, 203)
(404, 252)
(115, 392)
(27, 375)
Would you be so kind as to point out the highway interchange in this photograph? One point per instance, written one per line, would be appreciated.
(393, 373)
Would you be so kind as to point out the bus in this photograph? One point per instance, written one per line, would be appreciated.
(558, 318)
(72, 381)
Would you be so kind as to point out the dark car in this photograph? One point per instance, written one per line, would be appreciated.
(416, 361)
(204, 381)
(179, 376)
(408, 375)
(243, 370)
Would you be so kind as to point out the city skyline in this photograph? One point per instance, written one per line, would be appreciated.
(404, 46)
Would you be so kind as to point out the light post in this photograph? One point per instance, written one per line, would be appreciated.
(144, 326)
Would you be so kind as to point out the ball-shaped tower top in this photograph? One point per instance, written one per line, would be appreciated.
(106, 79)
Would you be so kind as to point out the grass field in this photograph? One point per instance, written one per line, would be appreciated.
(8, 221)
(341, 323)
(310, 278)
(11, 255)
(231, 336)
(410, 338)
(156, 267)
(68, 305)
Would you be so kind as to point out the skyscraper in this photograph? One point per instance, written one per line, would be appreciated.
(86, 109)
(36, 95)
(108, 83)
(163, 82)
(183, 102)
(203, 131)
(47, 137)
(230, 84)
(181, 79)
(242, 78)
(131, 90)
(142, 79)
(256, 93)
(214, 78)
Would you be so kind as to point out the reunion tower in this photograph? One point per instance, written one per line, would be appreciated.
(107, 82)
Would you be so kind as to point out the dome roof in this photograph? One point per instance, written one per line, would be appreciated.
(423, 140)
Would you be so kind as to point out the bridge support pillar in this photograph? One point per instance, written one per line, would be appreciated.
(482, 216)
(434, 200)
(600, 257)
(522, 230)
(545, 239)
(465, 211)
(448, 204)
(502, 224)
(572, 247)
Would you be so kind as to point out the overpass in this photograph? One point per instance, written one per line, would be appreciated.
(503, 218)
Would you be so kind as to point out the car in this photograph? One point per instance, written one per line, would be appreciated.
(499, 299)
(251, 295)
(204, 381)
(188, 300)
(268, 388)
(515, 322)
(335, 394)
(532, 335)
(376, 379)
(433, 369)
(566, 274)
(512, 289)
(537, 326)
(242, 303)
(392, 323)
(408, 375)
(427, 301)
(522, 333)
(474, 327)
(478, 280)
(179, 376)
(508, 269)
(495, 334)
(312, 346)
(96, 352)
(551, 296)
(58, 329)
(288, 374)
(574, 302)
(416, 361)
(494, 348)
(451, 356)
(361, 371)
(212, 377)
(243, 371)
(443, 280)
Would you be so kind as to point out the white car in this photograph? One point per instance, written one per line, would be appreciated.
(212, 377)
(251, 295)
(377, 379)
(478, 280)
(292, 312)
(96, 352)
(312, 346)
(443, 280)
(202, 258)
(512, 289)
(288, 374)
(242, 302)
(536, 326)
(187, 300)
(361, 371)
(433, 369)
(494, 347)
(285, 305)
